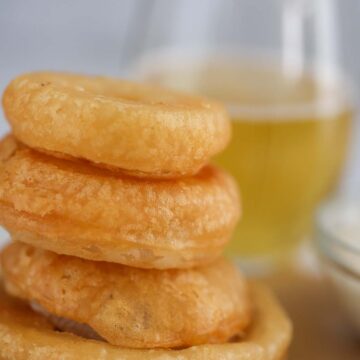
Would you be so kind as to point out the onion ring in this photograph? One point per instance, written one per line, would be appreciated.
(131, 307)
(25, 335)
(143, 130)
(75, 209)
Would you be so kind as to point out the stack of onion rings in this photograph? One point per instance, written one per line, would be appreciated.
(119, 223)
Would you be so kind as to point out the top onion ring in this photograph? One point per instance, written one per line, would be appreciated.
(143, 130)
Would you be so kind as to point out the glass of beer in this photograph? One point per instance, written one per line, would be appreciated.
(291, 116)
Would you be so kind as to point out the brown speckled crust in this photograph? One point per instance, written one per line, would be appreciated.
(131, 307)
(76, 209)
(8, 146)
(25, 335)
(144, 130)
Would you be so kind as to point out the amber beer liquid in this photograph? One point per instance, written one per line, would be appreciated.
(288, 146)
(284, 169)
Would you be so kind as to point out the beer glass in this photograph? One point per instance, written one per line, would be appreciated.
(275, 64)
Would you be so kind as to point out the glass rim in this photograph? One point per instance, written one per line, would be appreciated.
(322, 106)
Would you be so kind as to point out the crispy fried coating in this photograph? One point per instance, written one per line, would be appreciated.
(144, 130)
(76, 209)
(132, 307)
(25, 335)
(8, 146)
